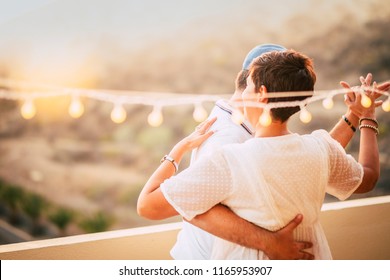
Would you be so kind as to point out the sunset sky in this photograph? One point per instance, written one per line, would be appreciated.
(39, 36)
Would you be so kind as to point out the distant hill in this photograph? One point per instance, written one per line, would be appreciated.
(183, 45)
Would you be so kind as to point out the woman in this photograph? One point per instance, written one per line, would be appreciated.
(269, 179)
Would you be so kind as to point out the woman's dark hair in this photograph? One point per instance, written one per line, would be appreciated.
(285, 71)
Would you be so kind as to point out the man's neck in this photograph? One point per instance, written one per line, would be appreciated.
(236, 99)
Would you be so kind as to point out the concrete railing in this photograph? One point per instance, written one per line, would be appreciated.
(356, 229)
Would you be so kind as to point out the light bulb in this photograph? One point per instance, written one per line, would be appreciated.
(328, 103)
(386, 105)
(28, 110)
(366, 101)
(238, 117)
(200, 114)
(265, 118)
(155, 118)
(118, 114)
(76, 108)
(305, 116)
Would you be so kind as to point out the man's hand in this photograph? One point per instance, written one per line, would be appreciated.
(284, 247)
(279, 245)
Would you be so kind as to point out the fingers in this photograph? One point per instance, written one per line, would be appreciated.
(347, 100)
(384, 86)
(367, 80)
(302, 245)
(376, 93)
(203, 130)
(350, 95)
(345, 85)
(294, 223)
(211, 122)
(306, 256)
(378, 103)
(208, 134)
(204, 126)
(375, 90)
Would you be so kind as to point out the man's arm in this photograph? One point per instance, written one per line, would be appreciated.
(222, 222)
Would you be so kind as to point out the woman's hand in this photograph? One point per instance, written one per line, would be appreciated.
(353, 98)
(195, 139)
(151, 202)
(202, 133)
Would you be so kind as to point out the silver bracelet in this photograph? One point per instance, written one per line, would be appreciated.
(170, 159)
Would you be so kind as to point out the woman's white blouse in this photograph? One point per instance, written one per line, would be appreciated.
(268, 181)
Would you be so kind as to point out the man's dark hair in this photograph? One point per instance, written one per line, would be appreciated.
(241, 79)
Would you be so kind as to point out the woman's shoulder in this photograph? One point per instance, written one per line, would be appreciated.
(321, 134)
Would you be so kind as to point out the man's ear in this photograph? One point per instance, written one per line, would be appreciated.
(263, 96)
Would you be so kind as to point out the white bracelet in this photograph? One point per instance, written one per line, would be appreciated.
(169, 158)
(374, 128)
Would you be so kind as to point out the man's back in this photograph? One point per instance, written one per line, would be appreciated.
(193, 242)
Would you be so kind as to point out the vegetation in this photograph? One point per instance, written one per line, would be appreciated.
(33, 213)
(99, 222)
(62, 218)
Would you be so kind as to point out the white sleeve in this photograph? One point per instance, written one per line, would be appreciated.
(219, 139)
(201, 186)
(345, 173)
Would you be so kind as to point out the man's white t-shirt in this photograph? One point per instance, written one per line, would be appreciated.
(192, 242)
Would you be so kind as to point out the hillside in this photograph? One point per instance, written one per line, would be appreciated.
(92, 165)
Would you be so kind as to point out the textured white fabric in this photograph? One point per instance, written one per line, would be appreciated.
(268, 181)
(192, 242)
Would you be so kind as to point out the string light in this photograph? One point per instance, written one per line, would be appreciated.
(366, 101)
(305, 115)
(200, 113)
(29, 92)
(76, 108)
(118, 114)
(238, 117)
(328, 103)
(386, 105)
(155, 118)
(28, 109)
(265, 118)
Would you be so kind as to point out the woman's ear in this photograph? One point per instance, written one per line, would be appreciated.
(263, 96)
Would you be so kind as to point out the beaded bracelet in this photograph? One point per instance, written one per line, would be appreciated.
(349, 123)
(369, 126)
(368, 119)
